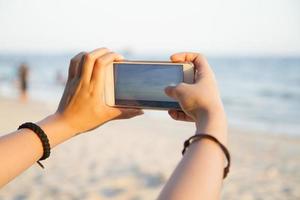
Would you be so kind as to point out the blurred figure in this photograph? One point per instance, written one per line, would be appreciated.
(23, 81)
(60, 79)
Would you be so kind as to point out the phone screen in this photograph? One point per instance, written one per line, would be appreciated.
(143, 84)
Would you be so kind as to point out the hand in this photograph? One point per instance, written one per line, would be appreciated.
(82, 106)
(200, 101)
(199, 173)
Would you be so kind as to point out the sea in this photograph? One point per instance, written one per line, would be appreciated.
(259, 93)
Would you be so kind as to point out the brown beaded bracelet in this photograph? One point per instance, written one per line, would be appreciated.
(198, 137)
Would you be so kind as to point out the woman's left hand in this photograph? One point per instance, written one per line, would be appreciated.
(82, 106)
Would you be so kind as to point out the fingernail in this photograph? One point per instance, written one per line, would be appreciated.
(168, 90)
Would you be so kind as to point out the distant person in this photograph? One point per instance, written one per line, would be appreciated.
(60, 80)
(200, 172)
(23, 81)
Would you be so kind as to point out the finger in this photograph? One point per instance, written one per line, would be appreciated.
(171, 92)
(98, 74)
(177, 91)
(88, 63)
(74, 66)
(184, 57)
(201, 65)
(173, 114)
(127, 113)
(187, 118)
(180, 115)
(177, 115)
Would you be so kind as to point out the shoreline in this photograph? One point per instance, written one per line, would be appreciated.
(52, 106)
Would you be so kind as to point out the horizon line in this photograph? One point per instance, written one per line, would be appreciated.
(149, 53)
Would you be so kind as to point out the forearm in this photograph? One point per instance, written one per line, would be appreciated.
(82, 108)
(200, 172)
(21, 149)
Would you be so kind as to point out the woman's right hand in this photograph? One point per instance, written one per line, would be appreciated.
(200, 97)
(200, 101)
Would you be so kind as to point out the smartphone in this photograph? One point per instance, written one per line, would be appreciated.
(141, 84)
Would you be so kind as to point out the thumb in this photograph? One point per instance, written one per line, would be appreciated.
(171, 92)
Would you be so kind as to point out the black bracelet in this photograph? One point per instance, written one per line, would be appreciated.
(43, 137)
(209, 137)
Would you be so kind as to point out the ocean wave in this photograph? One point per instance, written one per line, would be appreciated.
(284, 95)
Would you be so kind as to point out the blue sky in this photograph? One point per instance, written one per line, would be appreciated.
(219, 27)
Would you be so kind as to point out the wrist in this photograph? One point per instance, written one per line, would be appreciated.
(213, 122)
(216, 110)
(64, 124)
(56, 129)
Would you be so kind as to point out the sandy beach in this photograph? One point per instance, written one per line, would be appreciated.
(132, 159)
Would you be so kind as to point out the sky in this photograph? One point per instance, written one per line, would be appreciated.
(218, 27)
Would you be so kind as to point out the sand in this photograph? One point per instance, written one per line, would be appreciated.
(132, 159)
